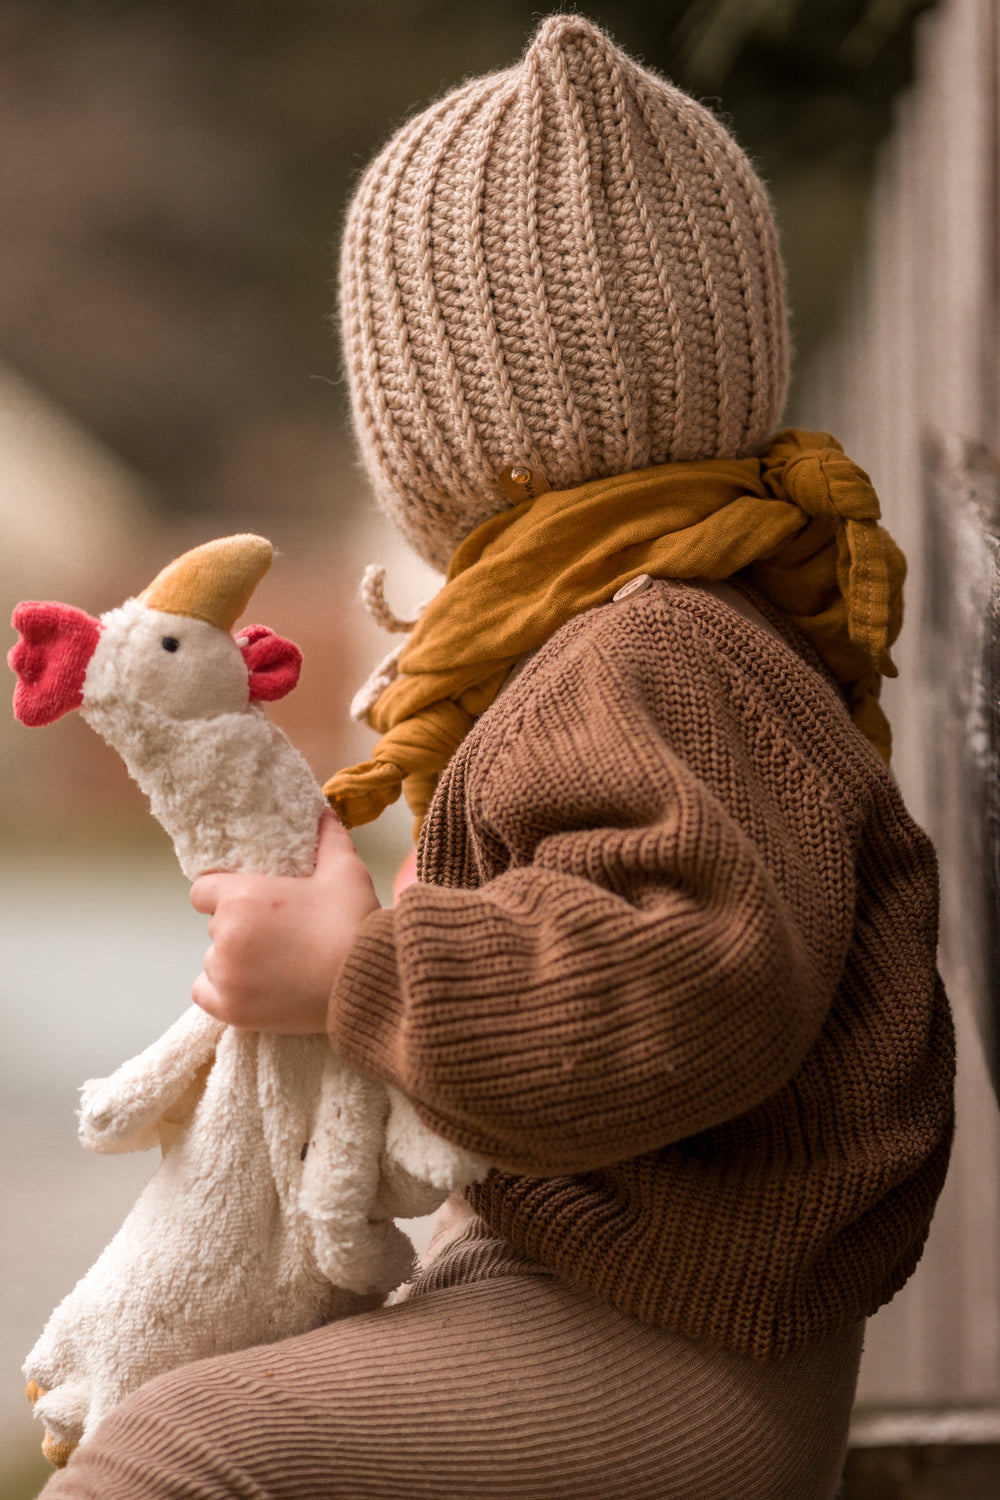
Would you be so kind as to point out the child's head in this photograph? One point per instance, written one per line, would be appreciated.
(569, 265)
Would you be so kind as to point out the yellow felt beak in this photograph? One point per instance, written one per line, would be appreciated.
(213, 582)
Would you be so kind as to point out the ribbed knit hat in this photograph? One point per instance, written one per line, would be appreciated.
(568, 266)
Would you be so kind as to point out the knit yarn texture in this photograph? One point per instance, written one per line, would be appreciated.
(568, 265)
(670, 966)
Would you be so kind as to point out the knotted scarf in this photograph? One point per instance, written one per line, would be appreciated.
(799, 523)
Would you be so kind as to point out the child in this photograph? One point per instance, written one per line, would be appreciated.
(669, 965)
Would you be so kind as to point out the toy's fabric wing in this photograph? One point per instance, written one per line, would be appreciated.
(127, 1111)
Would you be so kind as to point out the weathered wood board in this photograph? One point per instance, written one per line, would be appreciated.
(961, 631)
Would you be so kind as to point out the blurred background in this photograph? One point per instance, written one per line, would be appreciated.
(173, 178)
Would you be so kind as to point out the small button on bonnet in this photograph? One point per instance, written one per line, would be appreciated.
(633, 587)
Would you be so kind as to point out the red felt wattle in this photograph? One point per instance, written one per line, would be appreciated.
(51, 659)
(274, 662)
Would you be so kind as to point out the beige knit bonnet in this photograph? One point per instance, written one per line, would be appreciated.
(568, 266)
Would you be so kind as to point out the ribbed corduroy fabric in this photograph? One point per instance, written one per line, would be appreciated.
(568, 265)
(670, 965)
(494, 1380)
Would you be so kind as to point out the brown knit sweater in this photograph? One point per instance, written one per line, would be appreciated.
(670, 966)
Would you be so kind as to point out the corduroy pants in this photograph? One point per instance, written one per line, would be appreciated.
(493, 1378)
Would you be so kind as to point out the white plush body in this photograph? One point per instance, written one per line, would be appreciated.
(272, 1211)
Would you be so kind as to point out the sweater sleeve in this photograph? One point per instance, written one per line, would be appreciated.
(656, 954)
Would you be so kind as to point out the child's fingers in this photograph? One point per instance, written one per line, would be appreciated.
(334, 842)
(204, 993)
(204, 894)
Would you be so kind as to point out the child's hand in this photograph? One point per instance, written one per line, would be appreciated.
(278, 941)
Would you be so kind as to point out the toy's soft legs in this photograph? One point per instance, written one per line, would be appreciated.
(289, 1166)
(238, 1266)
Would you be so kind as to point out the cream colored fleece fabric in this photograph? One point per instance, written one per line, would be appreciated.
(273, 1210)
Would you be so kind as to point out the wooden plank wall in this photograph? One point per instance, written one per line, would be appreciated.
(910, 385)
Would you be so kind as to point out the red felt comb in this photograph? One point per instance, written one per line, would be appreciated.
(51, 659)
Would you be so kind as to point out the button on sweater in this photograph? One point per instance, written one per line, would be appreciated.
(670, 967)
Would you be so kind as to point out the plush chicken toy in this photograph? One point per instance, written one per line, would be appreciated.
(272, 1210)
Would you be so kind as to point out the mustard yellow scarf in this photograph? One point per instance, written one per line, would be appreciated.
(799, 523)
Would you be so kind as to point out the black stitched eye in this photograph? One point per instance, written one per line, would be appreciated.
(170, 643)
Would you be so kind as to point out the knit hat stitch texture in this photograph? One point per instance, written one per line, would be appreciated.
(568, 265)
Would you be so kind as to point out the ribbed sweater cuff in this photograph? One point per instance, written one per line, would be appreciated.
(366, 1006)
